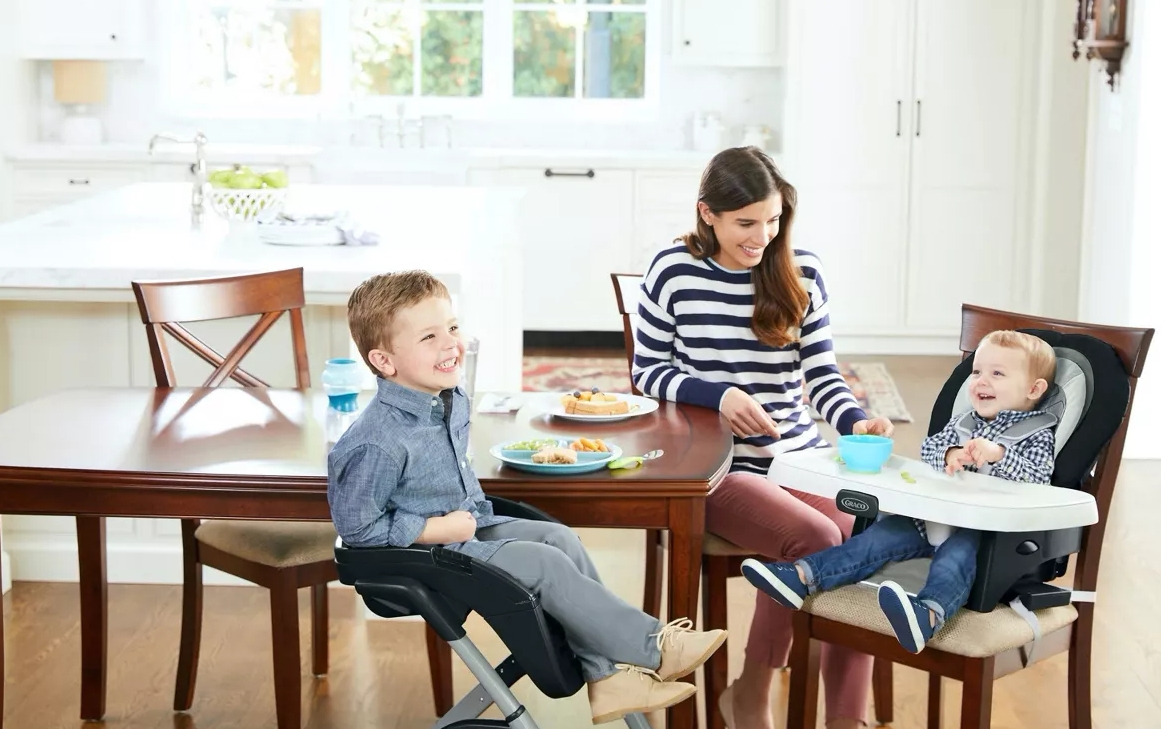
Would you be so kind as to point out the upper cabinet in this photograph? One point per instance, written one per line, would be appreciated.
(81, 29)
(738, 33)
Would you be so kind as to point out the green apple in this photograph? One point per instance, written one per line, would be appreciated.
(276, 178)
(244, 180)
(221, 178)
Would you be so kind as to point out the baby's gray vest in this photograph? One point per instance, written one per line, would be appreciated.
(1014, 434)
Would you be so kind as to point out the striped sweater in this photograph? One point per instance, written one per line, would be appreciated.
(694, 342)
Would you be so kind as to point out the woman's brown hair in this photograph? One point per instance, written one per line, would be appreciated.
(734, 179)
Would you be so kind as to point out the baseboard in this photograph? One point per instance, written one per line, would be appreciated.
(574, 340)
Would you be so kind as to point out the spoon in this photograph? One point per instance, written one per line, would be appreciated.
(634, 461)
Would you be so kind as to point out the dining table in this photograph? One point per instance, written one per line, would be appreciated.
(261, 453)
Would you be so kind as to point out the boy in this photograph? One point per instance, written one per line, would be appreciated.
(400, 476)
(1004, 436)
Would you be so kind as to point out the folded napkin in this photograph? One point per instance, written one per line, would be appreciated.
(490, 402)
(323, 228)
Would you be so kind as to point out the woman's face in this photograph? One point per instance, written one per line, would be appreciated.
(743, 234)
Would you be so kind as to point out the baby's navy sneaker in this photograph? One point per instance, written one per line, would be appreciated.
(779, 580)
(909, 618)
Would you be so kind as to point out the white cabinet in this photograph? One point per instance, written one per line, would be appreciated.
(81, 29)
(727, 32)
(906, 140)
(42, 185)
(575, 229)
(666, 208)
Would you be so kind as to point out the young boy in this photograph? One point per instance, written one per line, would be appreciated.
(1011, 372)
(400, 476)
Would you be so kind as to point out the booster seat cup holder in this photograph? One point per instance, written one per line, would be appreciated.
(444, 587)
(1028, 531)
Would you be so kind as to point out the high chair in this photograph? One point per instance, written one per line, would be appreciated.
(1013, 617)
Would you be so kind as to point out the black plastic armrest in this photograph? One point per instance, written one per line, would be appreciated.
(409, 595)
(519, 510)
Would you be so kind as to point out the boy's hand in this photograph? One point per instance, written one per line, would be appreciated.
(461, 526)
(956, 459)
(983, 451)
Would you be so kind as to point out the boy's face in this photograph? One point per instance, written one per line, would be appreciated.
(426, 348)
(1000, 380)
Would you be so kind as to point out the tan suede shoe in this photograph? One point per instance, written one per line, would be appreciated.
(683, 649)
(633, 690)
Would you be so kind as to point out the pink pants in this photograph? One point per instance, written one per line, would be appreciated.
(785, 525)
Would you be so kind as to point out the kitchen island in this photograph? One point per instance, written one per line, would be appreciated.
(68, 318)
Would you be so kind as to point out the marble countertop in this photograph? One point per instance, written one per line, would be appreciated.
(139, 232)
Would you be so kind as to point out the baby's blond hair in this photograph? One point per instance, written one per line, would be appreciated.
(1038, 354)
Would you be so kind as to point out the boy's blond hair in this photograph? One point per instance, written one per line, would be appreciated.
(1038, 354)
(375, 303)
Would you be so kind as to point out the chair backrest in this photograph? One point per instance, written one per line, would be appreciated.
(1131, 346)
(165, 305)
(627, 287)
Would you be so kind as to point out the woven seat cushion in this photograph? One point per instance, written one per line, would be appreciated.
(272, 543)
(717, 547)
(967, 633)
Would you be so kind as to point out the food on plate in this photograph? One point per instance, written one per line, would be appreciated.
(532, 444)
(554, 455)
(593, 402)
(592, 446)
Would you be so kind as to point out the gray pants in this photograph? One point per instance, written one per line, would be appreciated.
(601, 628)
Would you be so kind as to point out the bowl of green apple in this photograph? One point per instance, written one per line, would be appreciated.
(241, 195)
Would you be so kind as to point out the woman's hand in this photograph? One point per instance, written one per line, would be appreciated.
(746, 417)
(874, 426)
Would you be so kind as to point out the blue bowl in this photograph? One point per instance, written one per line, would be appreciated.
(864, 453)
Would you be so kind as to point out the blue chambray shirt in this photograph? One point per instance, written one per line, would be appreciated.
(403, 460)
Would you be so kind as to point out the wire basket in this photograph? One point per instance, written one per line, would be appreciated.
(248, 206)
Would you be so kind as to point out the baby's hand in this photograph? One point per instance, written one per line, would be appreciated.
(982, 451)
(956, 459)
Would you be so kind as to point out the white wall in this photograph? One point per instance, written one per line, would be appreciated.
(1119, 259)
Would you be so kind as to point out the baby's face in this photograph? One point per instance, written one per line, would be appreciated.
(1000, 380)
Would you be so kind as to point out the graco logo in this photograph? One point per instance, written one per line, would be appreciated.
(855, 504)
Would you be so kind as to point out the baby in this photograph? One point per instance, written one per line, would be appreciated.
(1004, 436)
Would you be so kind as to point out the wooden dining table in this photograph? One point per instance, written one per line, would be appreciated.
(256, 453)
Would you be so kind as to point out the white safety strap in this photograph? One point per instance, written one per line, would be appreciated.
(1083, 596)
(1034, 623)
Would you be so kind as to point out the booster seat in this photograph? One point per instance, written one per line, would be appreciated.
(444, 587)
(1089, 397)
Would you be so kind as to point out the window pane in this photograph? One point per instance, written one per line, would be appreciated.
(615, 56)
(381, 51)
(258, 49)
(452, 53)
(543, 54)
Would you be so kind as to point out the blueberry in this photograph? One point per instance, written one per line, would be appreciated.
(596, 390)
(576, 393)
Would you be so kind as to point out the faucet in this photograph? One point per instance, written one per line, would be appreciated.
(198, 168)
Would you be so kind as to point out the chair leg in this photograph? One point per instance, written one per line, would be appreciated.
(976, 710)
(319, 629)
(715, 571)
(883, 689)
(934, 700)
(287, 666)
(802, 704)
(1080, 670)
(191, 618)
(440, 663)
(654, 563)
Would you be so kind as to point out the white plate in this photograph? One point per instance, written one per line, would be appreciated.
(637, 406)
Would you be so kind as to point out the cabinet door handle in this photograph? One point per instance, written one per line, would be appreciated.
(899, 118)
(918, 115)
(78, 182)
(549, 172)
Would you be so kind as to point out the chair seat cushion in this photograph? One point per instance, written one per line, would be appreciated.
(272, 543)
(715, 546)
(968, 633)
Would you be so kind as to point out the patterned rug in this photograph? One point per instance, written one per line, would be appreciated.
(870, 382)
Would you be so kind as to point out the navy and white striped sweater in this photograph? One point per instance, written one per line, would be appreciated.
(694, 342)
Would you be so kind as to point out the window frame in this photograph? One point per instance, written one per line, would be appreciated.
(336, 102)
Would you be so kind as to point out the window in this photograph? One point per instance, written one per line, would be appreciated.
(471, 57)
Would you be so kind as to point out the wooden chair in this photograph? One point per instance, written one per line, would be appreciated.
(280, 556)
(964, 651)
(721, 559)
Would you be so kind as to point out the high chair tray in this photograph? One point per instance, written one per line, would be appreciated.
(967, 499)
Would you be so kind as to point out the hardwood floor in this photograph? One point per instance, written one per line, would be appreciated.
(379, 677)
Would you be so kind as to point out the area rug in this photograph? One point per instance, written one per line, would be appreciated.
(870, 382)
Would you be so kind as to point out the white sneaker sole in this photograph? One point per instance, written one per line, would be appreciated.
(901, 616)
(760, 570)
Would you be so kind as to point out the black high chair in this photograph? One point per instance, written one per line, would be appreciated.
(444, 587)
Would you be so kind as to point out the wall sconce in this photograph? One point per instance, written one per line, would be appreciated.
(1100, 32)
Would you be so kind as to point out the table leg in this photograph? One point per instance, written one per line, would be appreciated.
(94, 615)
(686, 531)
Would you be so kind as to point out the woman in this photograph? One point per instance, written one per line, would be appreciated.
(733, 318)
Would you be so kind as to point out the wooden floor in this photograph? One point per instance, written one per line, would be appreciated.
(379, 674)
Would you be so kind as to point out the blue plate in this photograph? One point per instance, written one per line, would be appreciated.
(586, 461)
